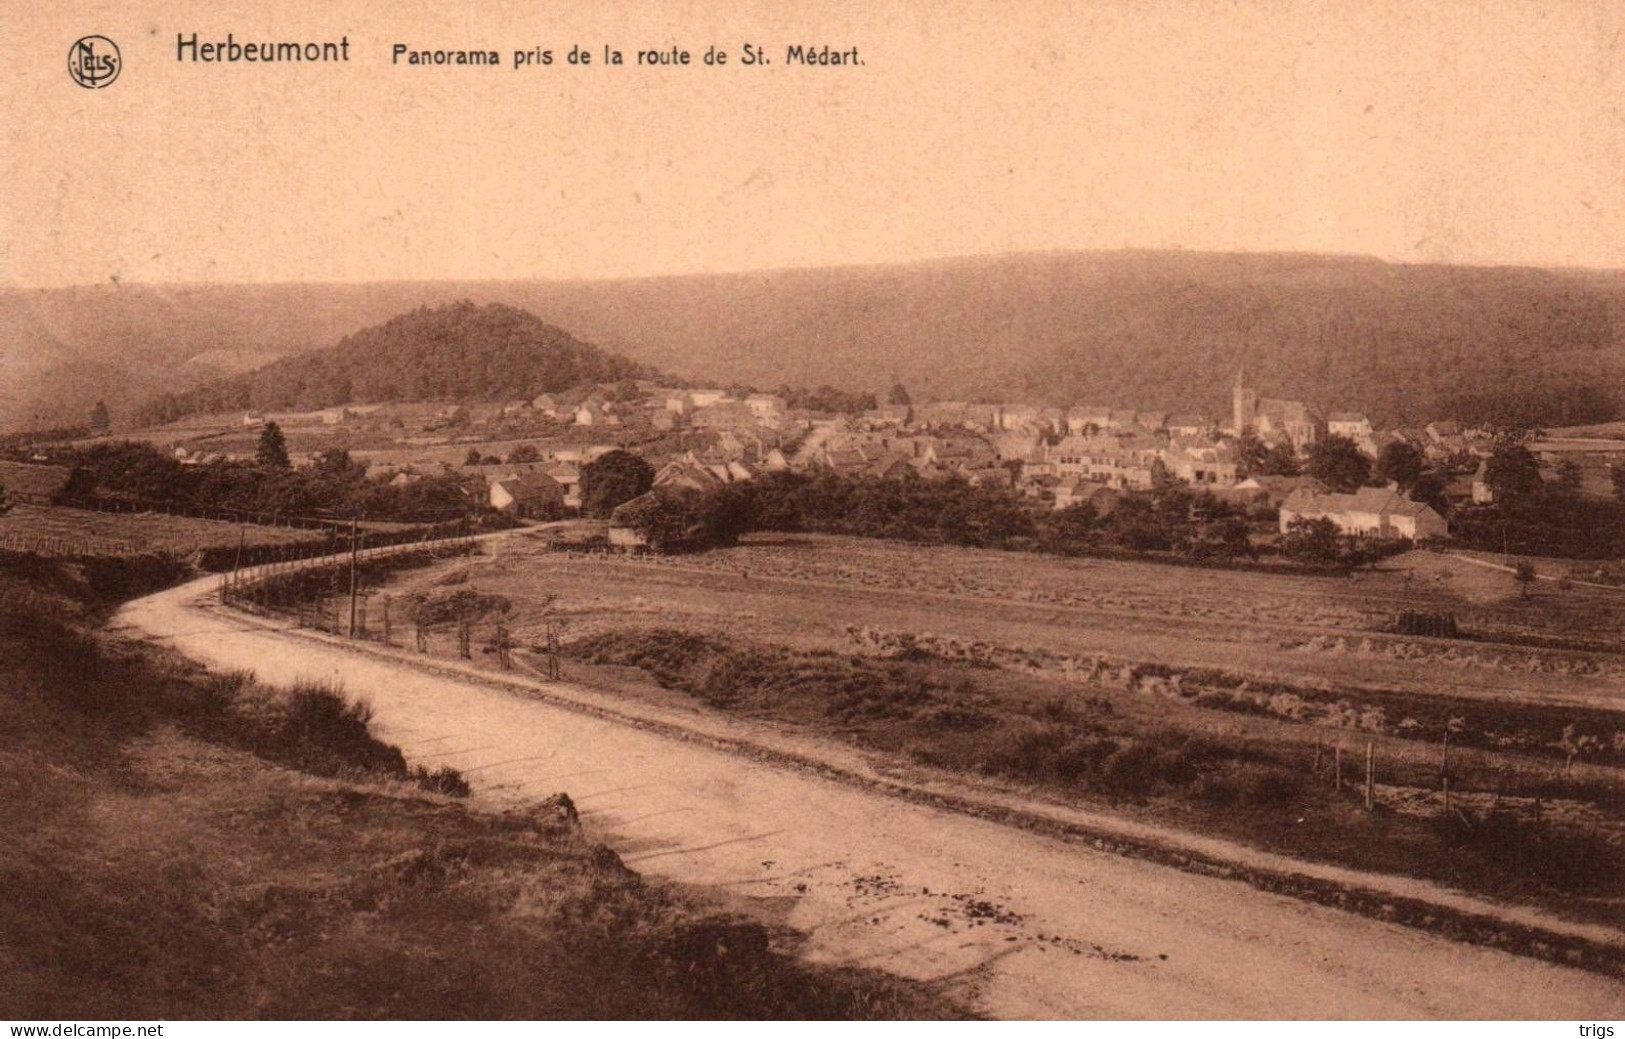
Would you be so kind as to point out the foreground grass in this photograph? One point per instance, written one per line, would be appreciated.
(176, 845)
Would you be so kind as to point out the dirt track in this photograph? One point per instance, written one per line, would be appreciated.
(1025, 925)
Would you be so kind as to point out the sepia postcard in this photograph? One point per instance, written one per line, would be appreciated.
(884, 510)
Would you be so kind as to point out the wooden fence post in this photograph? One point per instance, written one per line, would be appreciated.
(1370, 775)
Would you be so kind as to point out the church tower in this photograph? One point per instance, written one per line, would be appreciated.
(1243, 404)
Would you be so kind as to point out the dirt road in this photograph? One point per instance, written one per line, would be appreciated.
(1023, 925)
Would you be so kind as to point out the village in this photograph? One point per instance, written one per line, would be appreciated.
(525, 456)
(1273, 477)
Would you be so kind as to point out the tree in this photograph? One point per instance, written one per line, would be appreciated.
(1512, 474)
(1569, 477)
(1313, 540)
(5, 500)
(664, 521)
(726, 515)
(1138, 525)
(1617, 475)
(473, 457)
(612, 480)
(273, 448)
(1228, 537)
(1429, 489)
(524, 453)
(899, 395)
(100, 420)
(1338, 463)
(1524, 574)
(1252, 452)
(336, 463)
(1281, 461)
(1256, 458)
(1400, 463)
(1066, 530)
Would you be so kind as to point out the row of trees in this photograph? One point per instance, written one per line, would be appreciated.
(1169, 521)
(333, 485)
(1338, 462)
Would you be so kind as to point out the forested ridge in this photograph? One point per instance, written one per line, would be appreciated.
(460, 351)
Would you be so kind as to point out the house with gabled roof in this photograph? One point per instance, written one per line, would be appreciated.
(1376, 512)
(688, 475)
(1080, 491)
(1351, 424)
(528, 495)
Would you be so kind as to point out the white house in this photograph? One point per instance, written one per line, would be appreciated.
(1378, 512)
(767, 407)
(1351, 424)
(706, 398)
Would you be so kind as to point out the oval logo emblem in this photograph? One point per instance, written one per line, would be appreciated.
(94, 62)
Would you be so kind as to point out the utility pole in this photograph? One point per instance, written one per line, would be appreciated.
(354, 561)
(237, 564)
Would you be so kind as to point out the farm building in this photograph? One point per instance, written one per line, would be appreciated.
(659, 520)
(528, 496)
(1378, 512)
(1273, 489)
(569, 478)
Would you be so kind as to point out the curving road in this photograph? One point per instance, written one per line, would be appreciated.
(1022, 925)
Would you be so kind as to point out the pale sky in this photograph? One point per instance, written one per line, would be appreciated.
(1478, 132)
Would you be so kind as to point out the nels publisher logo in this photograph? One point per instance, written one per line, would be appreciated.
(94, 62)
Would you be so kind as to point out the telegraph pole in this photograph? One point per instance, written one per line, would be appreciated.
(354, 559)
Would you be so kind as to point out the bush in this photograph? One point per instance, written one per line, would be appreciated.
(443, 780)
(1541, 854)
(1082, 757)
(329, 734)
(1151, 762)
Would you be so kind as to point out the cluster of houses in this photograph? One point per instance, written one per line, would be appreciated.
(1055, 457)
(701, 439)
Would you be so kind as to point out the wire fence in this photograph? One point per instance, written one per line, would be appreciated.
(53, 547)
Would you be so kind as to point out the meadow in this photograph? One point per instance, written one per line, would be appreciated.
(63, 531)
(1231, 703)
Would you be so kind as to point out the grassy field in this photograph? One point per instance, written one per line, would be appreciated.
(132, 532)
(1331, 633)
(1219, 701)
(179, 845)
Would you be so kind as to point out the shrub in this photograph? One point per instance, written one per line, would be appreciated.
(1082, 757)
(959, 716)
(1542, 854)
(443, 780)
(328, 733)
